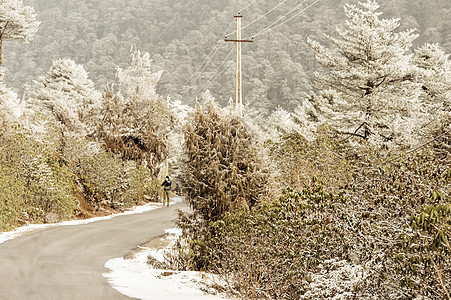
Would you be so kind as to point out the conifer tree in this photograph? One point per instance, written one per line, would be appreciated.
(435, 76)
(368, 88)
(17, 22)
(69, 95)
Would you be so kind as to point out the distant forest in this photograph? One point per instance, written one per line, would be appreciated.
(180, 35)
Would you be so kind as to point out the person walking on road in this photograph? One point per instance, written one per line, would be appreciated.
(167, 187)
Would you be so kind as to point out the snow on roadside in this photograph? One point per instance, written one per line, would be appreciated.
(135, 278)
(9, 235)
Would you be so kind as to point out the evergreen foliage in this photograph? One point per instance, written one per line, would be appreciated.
(267, 252)
(105, 178)
(36, 182)
(67, 94)
(18, 22)
(136, 124)
(380, 234)
(224, 168)
(436, 76)
(371, 79)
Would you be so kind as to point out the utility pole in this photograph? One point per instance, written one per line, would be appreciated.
(239, 75)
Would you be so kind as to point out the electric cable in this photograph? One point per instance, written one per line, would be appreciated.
(247, 6)
(289, 19)
(209, 57)
(215, 76)
(267, 13)
(212, 76)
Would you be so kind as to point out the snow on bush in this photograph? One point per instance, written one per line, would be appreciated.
(336, 280)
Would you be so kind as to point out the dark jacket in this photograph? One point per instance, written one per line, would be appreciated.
(166, 184)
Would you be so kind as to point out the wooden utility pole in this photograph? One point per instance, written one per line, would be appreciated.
(239, 75)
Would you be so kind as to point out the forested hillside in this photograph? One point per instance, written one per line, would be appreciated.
(181, 35)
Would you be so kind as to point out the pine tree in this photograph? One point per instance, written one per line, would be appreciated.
(69, 95)
(368, 89)
(435, 76)
(17, 22)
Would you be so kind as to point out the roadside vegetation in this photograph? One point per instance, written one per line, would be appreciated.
(363, 205)
(346, 196)
(68, 151)
(58, 162)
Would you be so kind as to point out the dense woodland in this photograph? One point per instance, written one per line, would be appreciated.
(278, 66)
(342, 193)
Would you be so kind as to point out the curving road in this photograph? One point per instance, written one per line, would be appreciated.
(67, 262)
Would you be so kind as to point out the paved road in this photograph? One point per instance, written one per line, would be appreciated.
(67, 262)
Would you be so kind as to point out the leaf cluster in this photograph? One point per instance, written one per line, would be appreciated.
(269, 251)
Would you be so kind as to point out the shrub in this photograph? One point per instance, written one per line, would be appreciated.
(105, 178)
(39, 181)
(296, 246)
(224, 169)
(299, 160)
(269, 251)
(13, 195)
(425, 262)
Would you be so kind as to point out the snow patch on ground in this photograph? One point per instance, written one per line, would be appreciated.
(336, 280)
(5, 236)
(135, 278)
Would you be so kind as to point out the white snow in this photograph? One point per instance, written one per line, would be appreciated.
(5, 236)
(336, 280)
(135, 278)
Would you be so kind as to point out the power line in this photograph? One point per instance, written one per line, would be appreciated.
(267, 13)
(212, 77)
(209, 57)
(291, 18)
(247, 6)
(199, 72)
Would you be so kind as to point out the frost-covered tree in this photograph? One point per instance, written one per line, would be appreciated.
(9, 103)
(280, 123)
(180, 113)
(138, 80)
(224, 167)
(69, 95)
(435, 76)
(136, 121)
(17, 22)
(368, 87)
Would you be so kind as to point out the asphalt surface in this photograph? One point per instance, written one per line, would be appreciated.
(67, 262)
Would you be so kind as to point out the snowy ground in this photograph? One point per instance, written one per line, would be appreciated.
(134, 278)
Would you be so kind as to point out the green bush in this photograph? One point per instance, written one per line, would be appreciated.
(36, 181)
(13, 195)
(52, 188)
(425, 259)
(224, 168)
(105, 178)
(269, 251)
